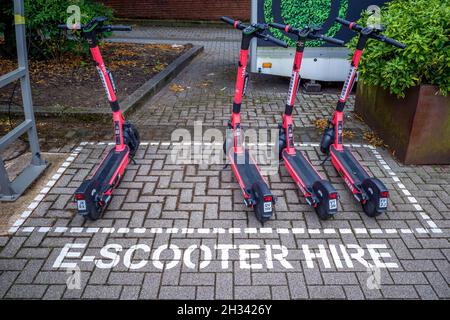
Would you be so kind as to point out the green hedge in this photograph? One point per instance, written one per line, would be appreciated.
(424, 27)
(42, 17)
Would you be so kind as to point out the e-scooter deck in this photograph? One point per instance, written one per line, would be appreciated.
(370, 192)
(318, 192)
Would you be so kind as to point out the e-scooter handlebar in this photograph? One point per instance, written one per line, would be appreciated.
(356, 27)
(266, 37)
(390, 41)
(107, 28)
(274, 40)
(293, 30)
(235, 23)
(329, 39)
(282, 27)
(118, 28)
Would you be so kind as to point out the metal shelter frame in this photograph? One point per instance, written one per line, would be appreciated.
(11, 190)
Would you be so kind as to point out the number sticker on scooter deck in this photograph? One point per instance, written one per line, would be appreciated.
(383, 202)
(81, 204)
(333, 204)
(267, 206)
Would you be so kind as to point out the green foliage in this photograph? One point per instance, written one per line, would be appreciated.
(43, 16)
(305, 12)
(424, 27)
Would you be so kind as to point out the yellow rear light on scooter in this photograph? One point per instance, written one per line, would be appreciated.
(267, 65)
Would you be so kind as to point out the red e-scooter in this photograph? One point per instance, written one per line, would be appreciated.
(369, 191)
(94, 194)
(256, 192)
(318, 192)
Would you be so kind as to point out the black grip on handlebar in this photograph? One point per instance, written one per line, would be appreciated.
(338, 42)
(276, 41)
(227, 20)
(278, 26)
(394, 42)
(63, 27)
(343, 21)
(120, 28)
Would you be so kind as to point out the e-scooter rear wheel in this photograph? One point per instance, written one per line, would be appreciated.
(95, 211)
(327, 206)
(263, 207)
(377, 195)
(370, 208)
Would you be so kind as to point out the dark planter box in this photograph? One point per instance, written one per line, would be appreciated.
(416, 127)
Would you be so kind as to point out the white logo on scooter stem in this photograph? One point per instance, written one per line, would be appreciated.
(347, 85)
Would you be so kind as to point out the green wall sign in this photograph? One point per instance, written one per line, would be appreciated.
(313, 12)
(304, 12)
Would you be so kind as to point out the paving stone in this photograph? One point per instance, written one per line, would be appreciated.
(130, 293)
(14, 245)
(353, 292)
(150, 286)
(297, 286)
(256, 292)
(319, 292)
(6, 280)
(102, 292)
(125, 278)
(426, 292)
(439, 284)
(29, 272)
(205, 293)
(54, 292)
(26, 291)
(177, 293)
(399, 292)
(224, 286)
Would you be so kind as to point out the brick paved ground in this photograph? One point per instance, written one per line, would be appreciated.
(198, 211)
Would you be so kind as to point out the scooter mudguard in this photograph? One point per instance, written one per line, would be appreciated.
(264, 201)
(327, 195)
(377, 193)
(85, 197)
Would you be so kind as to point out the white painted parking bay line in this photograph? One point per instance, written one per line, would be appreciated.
(43, 192)
(405, 191)
(202, 231)
(73, 155)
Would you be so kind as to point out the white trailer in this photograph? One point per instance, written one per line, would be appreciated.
(324, 63)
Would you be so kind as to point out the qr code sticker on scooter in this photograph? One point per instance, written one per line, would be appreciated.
(333, 204)
(81, 204)
(383, 202)
(267, 206)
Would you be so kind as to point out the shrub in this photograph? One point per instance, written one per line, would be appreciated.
(424, 27)
(42, 18)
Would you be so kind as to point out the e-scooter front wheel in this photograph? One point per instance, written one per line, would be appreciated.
(131, 138)
(327, 139)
